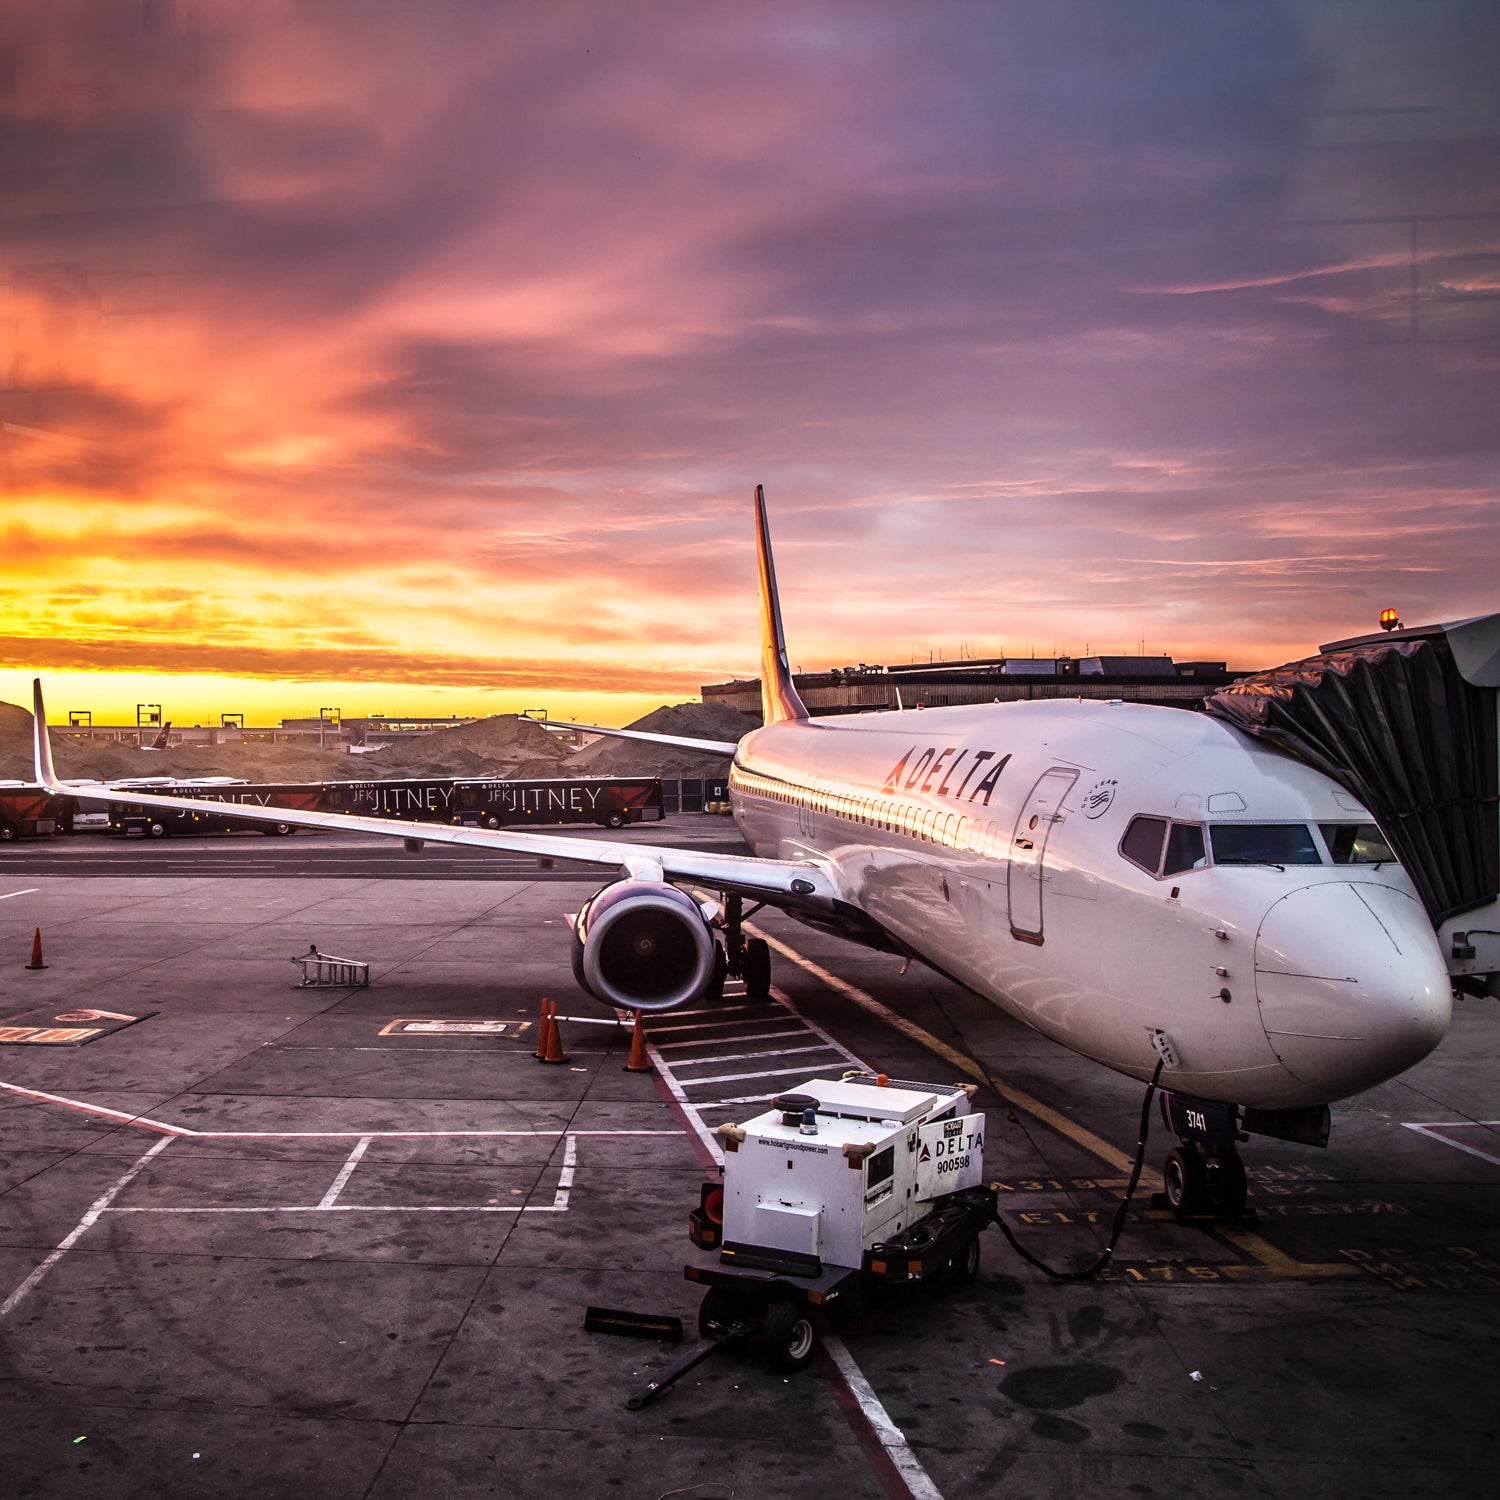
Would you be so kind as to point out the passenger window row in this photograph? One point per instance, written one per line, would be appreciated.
(928, 825)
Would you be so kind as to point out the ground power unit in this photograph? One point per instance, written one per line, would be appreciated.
(844, 1184)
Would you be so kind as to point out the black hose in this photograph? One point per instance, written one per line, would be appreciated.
(1119, 1221)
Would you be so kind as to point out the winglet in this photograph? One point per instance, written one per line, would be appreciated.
(46, 774)
(778, 697)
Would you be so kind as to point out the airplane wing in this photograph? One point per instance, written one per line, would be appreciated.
(807, 887)
(677, 741)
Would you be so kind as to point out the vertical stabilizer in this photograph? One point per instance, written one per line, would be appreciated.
(778, 698)
(41, 743)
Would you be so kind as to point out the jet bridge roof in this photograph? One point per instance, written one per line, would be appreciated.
(1407, 722)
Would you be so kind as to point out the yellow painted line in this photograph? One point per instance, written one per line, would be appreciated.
(1274, 1260)
(1277, 1261)
(1060, 1123)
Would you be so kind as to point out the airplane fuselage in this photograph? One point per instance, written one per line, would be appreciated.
(1123, 878)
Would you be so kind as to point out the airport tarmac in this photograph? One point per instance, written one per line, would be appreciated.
(264, 1241)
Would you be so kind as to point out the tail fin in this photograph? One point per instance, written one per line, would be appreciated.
(46, 773)
(163, 739)
(778, 698)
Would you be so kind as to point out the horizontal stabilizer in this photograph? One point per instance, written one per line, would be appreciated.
(676, 741)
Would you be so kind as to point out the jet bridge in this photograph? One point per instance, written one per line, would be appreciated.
(1407, 722)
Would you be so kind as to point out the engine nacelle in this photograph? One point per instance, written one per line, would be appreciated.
(644, 945)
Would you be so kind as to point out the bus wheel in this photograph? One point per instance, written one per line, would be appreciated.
(277, 830)
(492, 822)
(616, 819)
(157, 830)
(7, 833)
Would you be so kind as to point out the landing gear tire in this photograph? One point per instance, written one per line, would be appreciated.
(1186, 1181)
(757, 968)
(791, 1336)
(1226, 1185)
(715, 989)
(717, 1311)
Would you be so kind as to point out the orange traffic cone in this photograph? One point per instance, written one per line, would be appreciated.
(639, 1062)
(36, 951)
(555, 1053)
(542, 1028)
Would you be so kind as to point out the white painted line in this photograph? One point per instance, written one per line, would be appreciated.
(565, 1179)
(890, 1437)
(759, 1020)
(30, 890)
(186, 1132)
(345, 1172)
(145, 1121)
(704, 1134)
(357, 1208)
(698, 1062)
(742, 1099)
(817, 1030)
(713, 1010)
(708, 1041)
(694, 1083)
(1433, 1131)
(86, 1222)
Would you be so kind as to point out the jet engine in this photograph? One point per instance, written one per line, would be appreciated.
(644, 945)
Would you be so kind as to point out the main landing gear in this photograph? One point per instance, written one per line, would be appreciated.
(1204, 1176)
(744, 958)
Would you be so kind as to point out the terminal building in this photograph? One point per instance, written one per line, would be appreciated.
(869, 689)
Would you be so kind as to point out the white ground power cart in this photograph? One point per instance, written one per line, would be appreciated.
(843, 1184)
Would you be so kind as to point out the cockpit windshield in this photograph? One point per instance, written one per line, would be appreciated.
(1263, 844)
(1356, 844)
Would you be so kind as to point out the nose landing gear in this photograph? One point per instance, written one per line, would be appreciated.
(1204, 1176)
(1201, 1181)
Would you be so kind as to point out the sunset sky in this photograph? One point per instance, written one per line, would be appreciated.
(422, 356)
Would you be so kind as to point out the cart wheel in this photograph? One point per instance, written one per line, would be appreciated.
(719, 1308)
(790, 1336)
(964, 1266)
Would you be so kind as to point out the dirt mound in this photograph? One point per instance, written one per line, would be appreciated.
(709, 721)
(506, 745)
(106, 760)
(499, 746)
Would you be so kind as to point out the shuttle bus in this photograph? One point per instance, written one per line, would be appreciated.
(31, 812)
(611, 802)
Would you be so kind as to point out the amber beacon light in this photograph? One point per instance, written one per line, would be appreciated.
(1390, 620)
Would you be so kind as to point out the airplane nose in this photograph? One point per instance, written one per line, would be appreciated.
(1351, 984)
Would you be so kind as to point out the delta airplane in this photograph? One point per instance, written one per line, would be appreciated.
(1147, 886)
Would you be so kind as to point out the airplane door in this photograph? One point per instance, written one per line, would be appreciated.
(1028, 846)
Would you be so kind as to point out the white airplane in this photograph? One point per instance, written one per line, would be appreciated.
(1149, 887)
